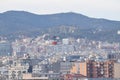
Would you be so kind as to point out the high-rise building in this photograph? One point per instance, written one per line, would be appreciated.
(94, 69)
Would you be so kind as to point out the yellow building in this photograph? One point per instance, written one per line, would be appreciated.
(116, 70)
(30, 77)
(79, 68)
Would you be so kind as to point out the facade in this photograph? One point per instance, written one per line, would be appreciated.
(79, 68)
(98, 69)
(65, 67)
(3, 70)
(116, 70)
(15, 71)
(41, 76)
(5, 49)
(30, 77)
(94, 69)
(65, 41)
(114, 56)
(74, 77)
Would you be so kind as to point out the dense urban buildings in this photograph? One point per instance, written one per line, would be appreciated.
(46, 58)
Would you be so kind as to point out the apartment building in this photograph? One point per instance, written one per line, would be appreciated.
(97, 69)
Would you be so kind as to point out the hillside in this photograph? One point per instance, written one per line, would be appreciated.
(12, 22)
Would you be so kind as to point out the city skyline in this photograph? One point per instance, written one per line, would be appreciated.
(108, 9)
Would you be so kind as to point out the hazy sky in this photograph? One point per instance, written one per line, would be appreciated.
(109, 9)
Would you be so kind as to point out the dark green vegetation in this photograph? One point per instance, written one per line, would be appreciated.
(14, 23)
